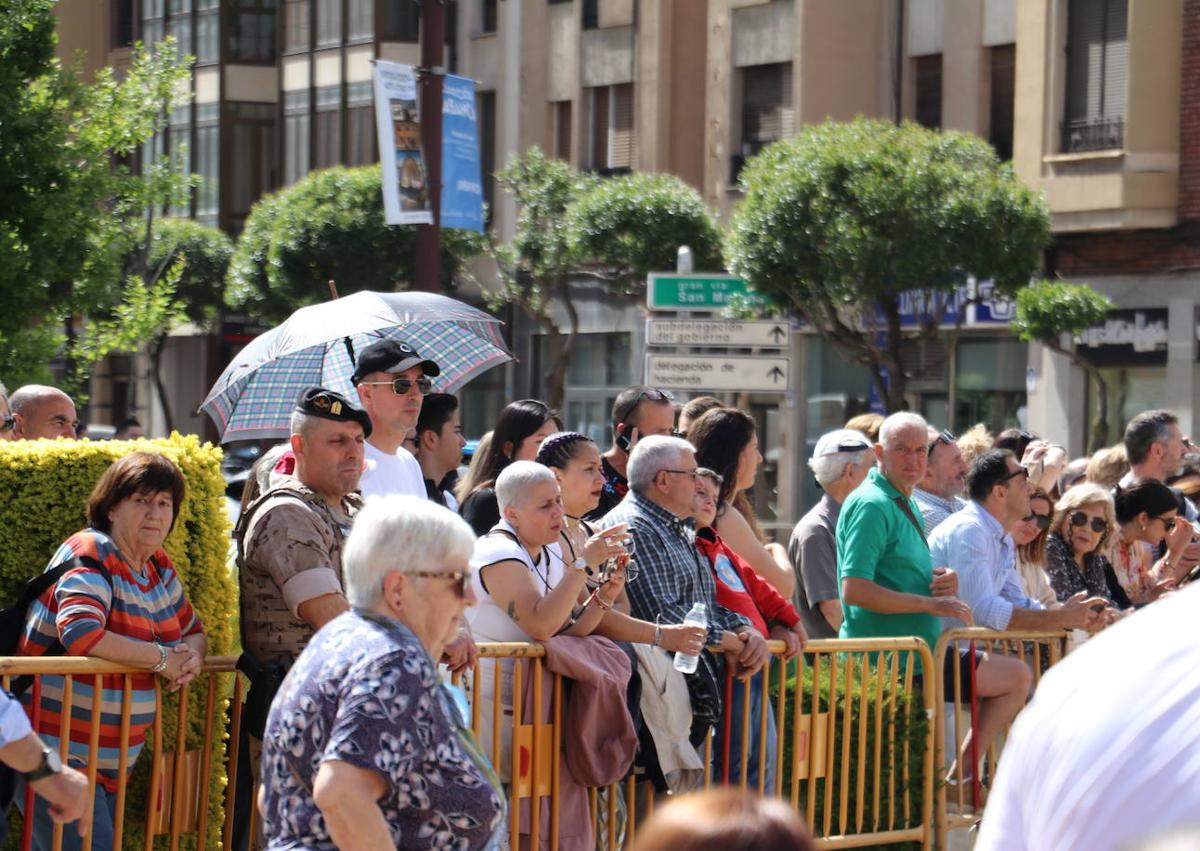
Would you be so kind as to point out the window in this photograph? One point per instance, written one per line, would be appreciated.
(598, 370)
(360, 124)
(360, 20)
(989, 383)
(590, 18)
(296, 130)
(560, 130)
(252, 31)
(179, 150)
(208, 162)
(296, 29)
(929, 90)
(610, 138)
(329, 22)
(329, 127)
(767, 111)
(153, 24)
(208, 30)
(121, 32)
(487, 16)
(1097, 58)
(254, 162)
(485, 110)
(401, 21)
(1004, 76)
(180, 26)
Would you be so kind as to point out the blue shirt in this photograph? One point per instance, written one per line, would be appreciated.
(935, 509)
(974, 544)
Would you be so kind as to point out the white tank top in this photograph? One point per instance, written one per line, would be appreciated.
(488, 621)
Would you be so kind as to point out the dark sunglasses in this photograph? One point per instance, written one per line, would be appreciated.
(8, 424)
(1099, 524)
(401, 386)
(1042, 520)
(655, 396)
(946, 437)
(462, 577)
(1020, 471)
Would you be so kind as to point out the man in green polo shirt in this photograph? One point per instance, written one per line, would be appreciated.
(889, 586)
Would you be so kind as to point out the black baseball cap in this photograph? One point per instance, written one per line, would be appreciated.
(391, 356)
(329, 405)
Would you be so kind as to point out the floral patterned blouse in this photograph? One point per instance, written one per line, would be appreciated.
(365, 692)
(1133, 562)
(1067, 579)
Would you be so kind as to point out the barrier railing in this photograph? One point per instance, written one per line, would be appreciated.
(1037, 649)
(854, 747)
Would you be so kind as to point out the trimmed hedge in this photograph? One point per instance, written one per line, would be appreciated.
(910, 727)
(46, 486)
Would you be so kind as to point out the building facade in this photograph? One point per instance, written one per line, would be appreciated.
(1091, 100)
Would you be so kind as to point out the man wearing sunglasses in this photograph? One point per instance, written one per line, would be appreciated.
(940, 492)
(392, 380)
(638, 411)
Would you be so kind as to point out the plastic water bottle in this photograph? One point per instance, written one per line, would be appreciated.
(686, 662)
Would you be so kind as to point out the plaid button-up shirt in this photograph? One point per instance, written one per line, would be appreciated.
(672, 576)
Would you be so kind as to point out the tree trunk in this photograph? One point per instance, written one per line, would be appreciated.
(556, 378)
(1098, 437)
(897, 380)
(156, 350)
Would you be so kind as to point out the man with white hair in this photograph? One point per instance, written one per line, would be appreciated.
(672, 576)
(40, 411)
(840, 462)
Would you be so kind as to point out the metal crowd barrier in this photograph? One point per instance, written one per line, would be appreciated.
(855, 747)
(1039, 650)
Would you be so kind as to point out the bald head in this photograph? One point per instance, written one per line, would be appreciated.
(41, 411)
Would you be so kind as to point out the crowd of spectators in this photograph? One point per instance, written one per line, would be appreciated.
(365, 562)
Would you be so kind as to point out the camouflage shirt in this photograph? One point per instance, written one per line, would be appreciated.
(292, 553)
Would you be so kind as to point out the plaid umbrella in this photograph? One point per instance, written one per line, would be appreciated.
(254, 397)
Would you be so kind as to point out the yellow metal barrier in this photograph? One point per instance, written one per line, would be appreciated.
(854, 746)
(1039, 650)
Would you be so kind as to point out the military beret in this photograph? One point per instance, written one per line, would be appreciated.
(391, 356)
(319, 402)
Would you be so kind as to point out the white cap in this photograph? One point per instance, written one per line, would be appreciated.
(841, 440)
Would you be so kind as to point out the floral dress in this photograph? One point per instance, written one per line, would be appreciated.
(365, 692)
(1133, 562)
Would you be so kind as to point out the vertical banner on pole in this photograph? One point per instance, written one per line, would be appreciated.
(462, 189)
(405, 189)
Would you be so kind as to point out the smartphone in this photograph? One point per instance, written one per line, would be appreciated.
(624, 441)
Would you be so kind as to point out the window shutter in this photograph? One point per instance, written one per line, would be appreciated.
(1116, 58)
(622, 143)
(1097, 59)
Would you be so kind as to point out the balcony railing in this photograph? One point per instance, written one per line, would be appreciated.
(1092, 134)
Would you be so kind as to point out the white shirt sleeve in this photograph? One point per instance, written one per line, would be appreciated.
(14, 724)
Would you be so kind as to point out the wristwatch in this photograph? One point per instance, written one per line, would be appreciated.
(51, 764)
(581, 565)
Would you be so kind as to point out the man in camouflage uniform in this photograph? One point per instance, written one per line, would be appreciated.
(291, 566)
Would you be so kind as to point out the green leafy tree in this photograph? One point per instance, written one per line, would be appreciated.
(328, 226)
(70, 209)
(572, 227)
(1047, 310)
(841, 222)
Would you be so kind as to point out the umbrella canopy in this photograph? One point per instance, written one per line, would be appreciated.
(254, 397)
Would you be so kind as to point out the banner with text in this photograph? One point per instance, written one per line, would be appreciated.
(462, 189)
(405, 189)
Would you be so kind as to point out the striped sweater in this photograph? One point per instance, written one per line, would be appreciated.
(146, 605)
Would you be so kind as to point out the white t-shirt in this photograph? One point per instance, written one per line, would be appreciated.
(1108, 751)
(392, 474)
(488, 621)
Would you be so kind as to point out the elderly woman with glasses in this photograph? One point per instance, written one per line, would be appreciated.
(1146, 511)
(1077, 548)
(364, 748)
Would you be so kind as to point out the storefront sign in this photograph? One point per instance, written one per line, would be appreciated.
(1127, 338)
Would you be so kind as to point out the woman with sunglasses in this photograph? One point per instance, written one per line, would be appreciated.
(1030, 537)
(1146, 516)
(1077, 548)
(726, 442)
(364, 747)
(519, 432)
(574, 459)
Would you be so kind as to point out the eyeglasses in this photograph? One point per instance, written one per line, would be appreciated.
(1099, 524)
(946, 437)
(1020, 471)
(401, 386)
(462, 577)
(692, 473)
(8, 424)
(1168, 522)
(1042, 520)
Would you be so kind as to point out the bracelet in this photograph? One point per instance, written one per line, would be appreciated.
(162, 659)
(602, 604)
(657, 635)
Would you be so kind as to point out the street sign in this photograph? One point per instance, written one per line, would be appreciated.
(718, 372)
(716, 332)
(671, 291)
